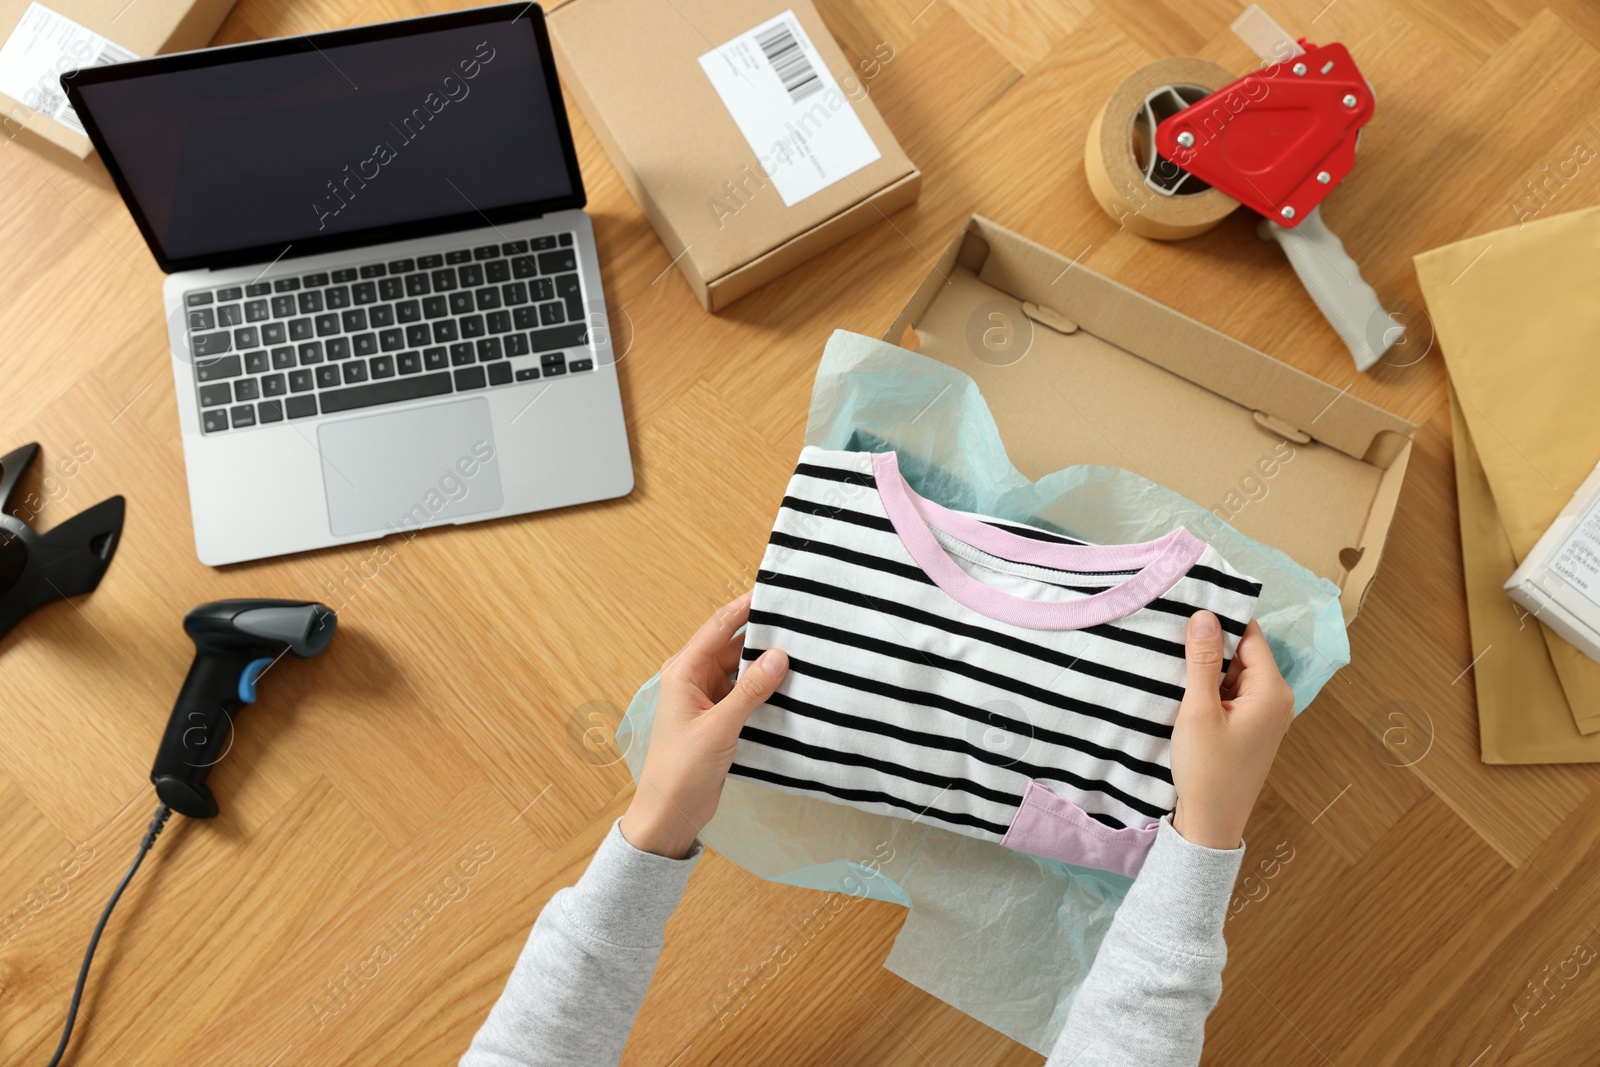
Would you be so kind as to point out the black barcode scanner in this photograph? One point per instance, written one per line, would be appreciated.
(235, 641)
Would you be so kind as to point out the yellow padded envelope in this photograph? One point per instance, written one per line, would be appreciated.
(1517, 317)
(1522, 710)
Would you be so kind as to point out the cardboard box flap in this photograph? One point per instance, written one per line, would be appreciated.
(1101, 375)
(1199, 353)
(679, 140)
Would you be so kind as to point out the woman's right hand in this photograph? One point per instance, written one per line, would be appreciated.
(1227, 733)
(698, 718)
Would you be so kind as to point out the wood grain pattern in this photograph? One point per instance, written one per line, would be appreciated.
(1401, 905)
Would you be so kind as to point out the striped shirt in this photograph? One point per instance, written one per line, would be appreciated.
(1000, 680)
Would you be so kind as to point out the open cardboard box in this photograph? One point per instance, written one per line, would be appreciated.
(1078, 369)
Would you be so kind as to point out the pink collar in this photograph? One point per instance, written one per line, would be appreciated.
(1160, 563)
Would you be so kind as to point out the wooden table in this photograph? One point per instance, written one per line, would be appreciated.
(1428, 914)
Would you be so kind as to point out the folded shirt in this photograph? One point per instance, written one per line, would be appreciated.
(997, 679)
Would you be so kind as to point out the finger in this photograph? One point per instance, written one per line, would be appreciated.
(1230, 677)
(701, 649)
(728, 655)
(720, 681)
(1253, 645)
(1203, 653)
(755, 685)
(1262, 693)
(1254, 655)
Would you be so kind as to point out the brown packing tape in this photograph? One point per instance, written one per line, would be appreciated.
(1115, 176)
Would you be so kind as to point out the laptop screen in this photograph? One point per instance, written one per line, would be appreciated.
(299, 145)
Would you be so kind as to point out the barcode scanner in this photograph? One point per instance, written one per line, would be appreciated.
(235, 641)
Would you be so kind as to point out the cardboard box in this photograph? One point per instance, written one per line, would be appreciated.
(634, 68)
(1079, 369)
(136, 30)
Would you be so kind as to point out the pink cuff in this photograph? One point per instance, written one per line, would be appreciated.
(1055, 828)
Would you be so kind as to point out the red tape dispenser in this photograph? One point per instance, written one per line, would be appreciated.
(1290, 141)
(1278, 141)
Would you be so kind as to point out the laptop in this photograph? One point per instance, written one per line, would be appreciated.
(383, 300)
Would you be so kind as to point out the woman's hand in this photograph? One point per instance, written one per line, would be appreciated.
(696, 730)
(1227, 733)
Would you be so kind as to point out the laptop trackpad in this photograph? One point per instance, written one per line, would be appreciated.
(407, 469)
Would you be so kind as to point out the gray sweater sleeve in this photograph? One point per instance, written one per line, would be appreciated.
(581, 977)
(572, 996)
(1158, 972)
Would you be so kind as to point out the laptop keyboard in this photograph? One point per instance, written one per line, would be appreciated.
(333, 341)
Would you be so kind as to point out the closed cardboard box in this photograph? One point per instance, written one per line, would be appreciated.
(739, 127)
(42, 41)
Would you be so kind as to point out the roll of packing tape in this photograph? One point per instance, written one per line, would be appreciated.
(1151, 196)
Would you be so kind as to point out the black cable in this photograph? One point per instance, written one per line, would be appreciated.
(156, 823)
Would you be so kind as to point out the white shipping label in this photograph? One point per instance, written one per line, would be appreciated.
(1578, 560)
(789, 107)
(45, 45)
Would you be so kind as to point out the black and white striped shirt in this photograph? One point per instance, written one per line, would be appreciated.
(994, 678)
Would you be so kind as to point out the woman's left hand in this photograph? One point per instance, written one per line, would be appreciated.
(697, 724)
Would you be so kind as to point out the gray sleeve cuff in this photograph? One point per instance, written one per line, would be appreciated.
(626, 896)
(1180, 899)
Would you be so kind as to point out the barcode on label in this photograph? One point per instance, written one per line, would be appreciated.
(45, 48)
(789, 62)
(110, 53)
(69, 118)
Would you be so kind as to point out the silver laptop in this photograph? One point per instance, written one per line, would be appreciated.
(383, 300)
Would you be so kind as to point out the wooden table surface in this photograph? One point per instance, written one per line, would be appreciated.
(1437, 912)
